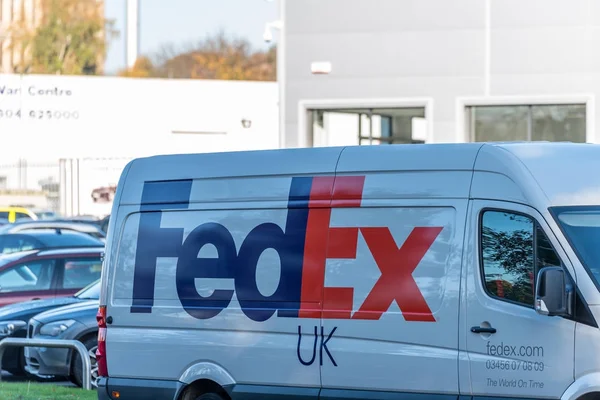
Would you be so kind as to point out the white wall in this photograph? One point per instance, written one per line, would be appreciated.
(112, 120)
(127, 117)
(441, 51)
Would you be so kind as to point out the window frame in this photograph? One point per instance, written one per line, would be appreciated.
(536, 225)
(462, 102)
(53, 275)
(60, 275)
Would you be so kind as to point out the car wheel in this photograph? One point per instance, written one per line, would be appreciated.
(19, 371)
(77, 366)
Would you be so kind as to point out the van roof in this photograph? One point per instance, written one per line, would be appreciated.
(561, 169)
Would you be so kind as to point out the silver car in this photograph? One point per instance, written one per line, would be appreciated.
(72, 322)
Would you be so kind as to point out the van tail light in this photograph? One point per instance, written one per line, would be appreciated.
(101, 350)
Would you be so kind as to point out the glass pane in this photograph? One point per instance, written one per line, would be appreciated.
(582, 227)
(366, 142)
(82, 272)
(21, 216)
(507, 247)
(500, 124)
(559, 123)
(29, 276)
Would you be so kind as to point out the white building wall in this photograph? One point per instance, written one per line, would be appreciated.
(97, 124)
(441, 53)
(62, 117)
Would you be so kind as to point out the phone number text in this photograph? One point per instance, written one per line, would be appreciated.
(38, 114)
(515, 365)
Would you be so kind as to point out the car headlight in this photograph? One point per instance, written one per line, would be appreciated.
(56, 328)
(7, 328)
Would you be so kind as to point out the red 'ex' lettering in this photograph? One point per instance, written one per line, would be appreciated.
(396, 264)
(323, 242)
(396, 281)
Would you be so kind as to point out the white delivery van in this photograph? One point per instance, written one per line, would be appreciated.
(443, 271)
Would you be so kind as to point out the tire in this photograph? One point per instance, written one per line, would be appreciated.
(19, 371)
(91, 344)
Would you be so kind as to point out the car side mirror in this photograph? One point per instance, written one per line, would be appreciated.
(554, 293)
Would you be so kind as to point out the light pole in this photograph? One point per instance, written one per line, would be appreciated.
(268, 37)
(133, 28)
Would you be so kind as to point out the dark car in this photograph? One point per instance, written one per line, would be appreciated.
(45, 274)
(71, 322)
(14, 319)
(46, 225)
(45, 239)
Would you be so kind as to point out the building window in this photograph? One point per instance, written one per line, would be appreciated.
(547, 122)
(367, 126)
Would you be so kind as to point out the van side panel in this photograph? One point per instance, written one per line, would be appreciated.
(393, 313)
(216, 281)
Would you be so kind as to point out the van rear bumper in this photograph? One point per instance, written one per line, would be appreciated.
(138, 389)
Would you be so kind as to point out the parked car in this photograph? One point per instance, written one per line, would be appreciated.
(48, 273)
(72, 322)
(13, 214)
(14, 319)
(45, 239)
(32, 226)
(43, 214)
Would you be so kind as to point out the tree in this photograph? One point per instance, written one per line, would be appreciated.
(143, 68)
(216, 57)
(70, 38)
(513, 252)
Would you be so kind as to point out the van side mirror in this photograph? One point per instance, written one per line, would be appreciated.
(554, 293)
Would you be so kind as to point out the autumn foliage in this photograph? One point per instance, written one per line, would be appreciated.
(217, 57)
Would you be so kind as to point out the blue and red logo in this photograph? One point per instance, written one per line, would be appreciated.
(303, 246)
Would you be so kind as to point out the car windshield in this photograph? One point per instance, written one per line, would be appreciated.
(91, 291)
(581, 226)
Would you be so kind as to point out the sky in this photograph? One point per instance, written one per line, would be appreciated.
(183, 21)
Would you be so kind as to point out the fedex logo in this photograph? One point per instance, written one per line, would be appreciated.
(304, 245)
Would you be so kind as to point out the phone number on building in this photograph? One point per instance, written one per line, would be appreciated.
(515, 365)
(39, 114)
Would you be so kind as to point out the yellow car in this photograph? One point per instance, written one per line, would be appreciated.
(13, 214)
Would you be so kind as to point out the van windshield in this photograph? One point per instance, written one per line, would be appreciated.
(581, 226)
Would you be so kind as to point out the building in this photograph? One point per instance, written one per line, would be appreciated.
(413, 71)
(71, 136)
(29, 14)
(12, 11)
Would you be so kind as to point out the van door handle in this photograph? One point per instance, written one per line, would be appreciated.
(36, 298)
(479, 329)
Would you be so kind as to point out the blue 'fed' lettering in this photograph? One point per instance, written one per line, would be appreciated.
(154, 242)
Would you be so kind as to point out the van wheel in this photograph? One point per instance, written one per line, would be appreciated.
(77, 366)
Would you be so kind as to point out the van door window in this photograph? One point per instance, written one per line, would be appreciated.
(513, 250)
